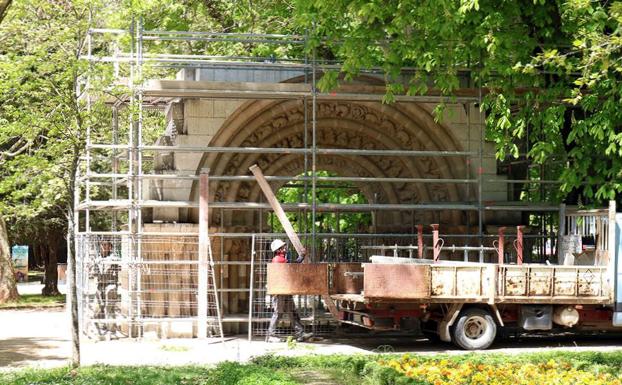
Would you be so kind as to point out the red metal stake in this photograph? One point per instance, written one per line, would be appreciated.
(501, 244)
(436, 242)
(519, 244)
(420, 241)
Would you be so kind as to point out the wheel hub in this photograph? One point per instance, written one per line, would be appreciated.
(475, 327)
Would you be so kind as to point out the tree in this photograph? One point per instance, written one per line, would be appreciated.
(549, 71)
(8, 288)
(44, 121)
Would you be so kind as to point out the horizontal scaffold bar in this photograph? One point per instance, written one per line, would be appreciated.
(127, 204)
(121, 204)
(110, 235)
(281, 150)
(249, 178)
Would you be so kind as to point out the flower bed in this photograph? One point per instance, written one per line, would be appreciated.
(450, 372)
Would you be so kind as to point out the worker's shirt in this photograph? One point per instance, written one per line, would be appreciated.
(280, 258)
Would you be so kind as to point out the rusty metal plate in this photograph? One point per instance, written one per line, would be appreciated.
(397, 281)
(297, 278)
(347, 283)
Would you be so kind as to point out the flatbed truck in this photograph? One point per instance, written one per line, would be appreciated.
(470, 304)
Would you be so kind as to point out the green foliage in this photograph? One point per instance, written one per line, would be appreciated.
(43, 122)
(35, 301)
(271, 369)
(550, 71)
(326, 192)
(226, 373)
(231, 373)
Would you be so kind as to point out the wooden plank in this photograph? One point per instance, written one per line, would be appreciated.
(278, 210)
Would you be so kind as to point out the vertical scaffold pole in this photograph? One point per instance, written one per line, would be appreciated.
(251, 294)
(203, 252)
(313, 157)
(561, 231)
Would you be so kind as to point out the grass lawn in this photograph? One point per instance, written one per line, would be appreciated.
(546, 368)
(35, 300)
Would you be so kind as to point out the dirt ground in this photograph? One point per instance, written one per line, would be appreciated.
(40, 338)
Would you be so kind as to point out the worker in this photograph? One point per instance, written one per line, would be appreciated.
(284, 304)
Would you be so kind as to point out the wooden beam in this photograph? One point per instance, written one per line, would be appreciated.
(278, 210)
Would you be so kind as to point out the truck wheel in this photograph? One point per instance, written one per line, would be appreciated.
(474, 329)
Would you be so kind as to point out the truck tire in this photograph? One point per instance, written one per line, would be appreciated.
(474, 329)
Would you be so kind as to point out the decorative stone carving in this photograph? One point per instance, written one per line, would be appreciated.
(164, 161)
(343, 138)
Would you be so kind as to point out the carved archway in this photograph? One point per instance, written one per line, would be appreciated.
(356, 125)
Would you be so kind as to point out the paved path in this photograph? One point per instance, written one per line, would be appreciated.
(40, 338)
(34, 338)
(35, 288)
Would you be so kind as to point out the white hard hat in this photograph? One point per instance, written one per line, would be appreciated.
(276, 244)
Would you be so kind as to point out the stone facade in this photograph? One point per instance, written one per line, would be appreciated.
(356, 125)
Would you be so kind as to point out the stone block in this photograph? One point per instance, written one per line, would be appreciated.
(205, 107)
(174, 111)
(192, 140)
(233, 105)
(166, 214)
(462, 133)
(220, 108)
(187, 160)
(186, 74)
(223, 108)
(176, 194)
(213, 125)
(176, 184)
(454, 113)
(203, 126)
(197, 108)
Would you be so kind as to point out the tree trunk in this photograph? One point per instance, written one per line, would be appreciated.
(8, 287)
(37, 256)
(72, 290)
(51, 269)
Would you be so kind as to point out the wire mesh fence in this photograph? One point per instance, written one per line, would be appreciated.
(132, 286)
(149, 284)
(262, 305)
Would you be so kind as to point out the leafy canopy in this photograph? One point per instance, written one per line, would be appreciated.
(549, 71)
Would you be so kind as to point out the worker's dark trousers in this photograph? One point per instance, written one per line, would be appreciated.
(284, 304)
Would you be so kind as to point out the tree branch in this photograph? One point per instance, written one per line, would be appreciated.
(4, 6)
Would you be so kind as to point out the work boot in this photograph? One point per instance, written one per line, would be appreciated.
(303, 337)
(272, 339)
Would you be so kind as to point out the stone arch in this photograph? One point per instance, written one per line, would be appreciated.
(340, 124)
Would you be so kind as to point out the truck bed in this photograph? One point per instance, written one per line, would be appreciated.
(489, 283)
(445, 282)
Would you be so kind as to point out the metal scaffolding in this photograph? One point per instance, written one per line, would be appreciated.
(112, 202)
